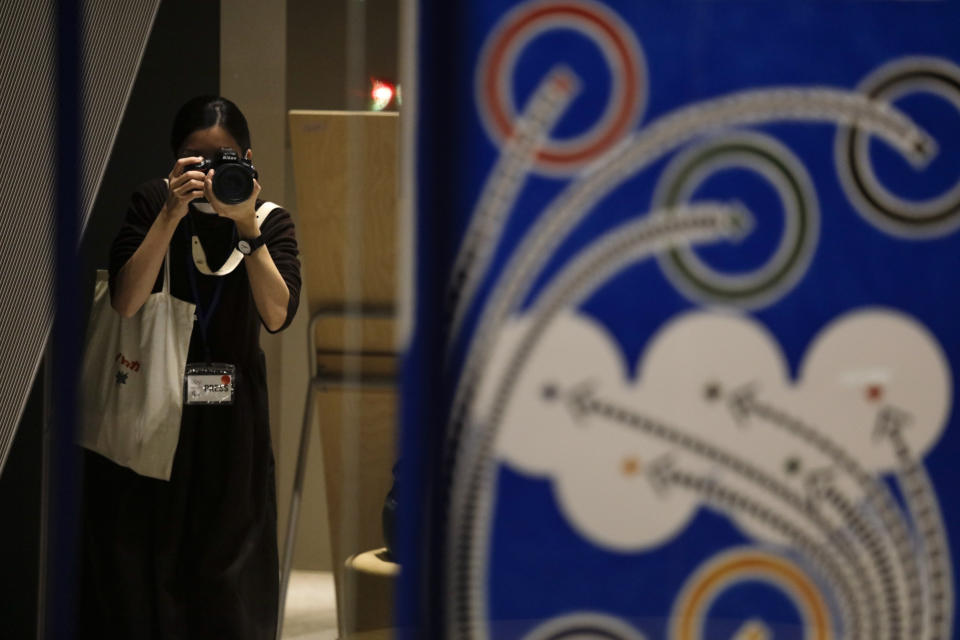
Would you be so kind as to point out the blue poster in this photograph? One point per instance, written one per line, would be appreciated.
(699, 328)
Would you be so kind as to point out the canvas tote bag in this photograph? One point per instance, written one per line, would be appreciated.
(132, 379)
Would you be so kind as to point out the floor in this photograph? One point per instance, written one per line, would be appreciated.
(311, 612)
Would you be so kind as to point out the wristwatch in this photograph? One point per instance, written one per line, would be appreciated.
(246, 247)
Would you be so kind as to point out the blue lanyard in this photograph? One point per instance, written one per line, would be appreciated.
(203, 315)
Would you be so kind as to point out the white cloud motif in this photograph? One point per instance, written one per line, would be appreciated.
(714, 406)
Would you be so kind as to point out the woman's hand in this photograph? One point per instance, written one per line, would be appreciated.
(270, 292)
(244, 214)
(134, 281)
(184, 186)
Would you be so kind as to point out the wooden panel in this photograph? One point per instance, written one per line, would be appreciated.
(336, 364)
(345, 167)
(365, 472)
(322, 143)
(376, 333)
(375, 352)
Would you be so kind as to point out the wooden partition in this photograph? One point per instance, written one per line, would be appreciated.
(345, 167)
(322, 161)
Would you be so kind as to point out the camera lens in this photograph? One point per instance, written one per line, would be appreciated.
(232, 183)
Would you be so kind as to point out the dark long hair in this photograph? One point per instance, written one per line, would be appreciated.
(204, 112)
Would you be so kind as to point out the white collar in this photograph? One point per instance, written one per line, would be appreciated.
(203, 207)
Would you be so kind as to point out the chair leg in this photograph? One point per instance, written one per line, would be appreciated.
(295, 498)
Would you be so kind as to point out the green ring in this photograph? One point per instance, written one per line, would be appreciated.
(728, 293)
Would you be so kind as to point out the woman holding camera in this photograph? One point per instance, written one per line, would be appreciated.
(196, 557)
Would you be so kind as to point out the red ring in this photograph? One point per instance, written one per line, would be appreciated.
(623, 117)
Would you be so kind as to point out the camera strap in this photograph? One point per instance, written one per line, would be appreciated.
(235, 257)
(203, 312)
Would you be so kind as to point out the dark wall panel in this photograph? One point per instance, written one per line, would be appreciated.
(180, 60)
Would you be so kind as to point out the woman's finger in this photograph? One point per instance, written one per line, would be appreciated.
(185, 177)
(208, 187)
(188, 186)
(182, 163)
(196, 183)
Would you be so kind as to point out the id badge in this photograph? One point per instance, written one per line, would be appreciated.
(209, 383)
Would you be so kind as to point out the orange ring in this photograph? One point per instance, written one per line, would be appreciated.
(711, 579)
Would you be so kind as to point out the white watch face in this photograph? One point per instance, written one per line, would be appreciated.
(244, 247)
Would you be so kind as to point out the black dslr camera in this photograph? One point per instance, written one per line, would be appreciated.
(233, 180)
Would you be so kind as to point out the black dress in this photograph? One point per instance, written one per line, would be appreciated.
(195, 557)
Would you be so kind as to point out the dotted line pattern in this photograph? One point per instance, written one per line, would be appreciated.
(657, 139)
(702, 223)
(881, 562)
(922, 503)
(609, 171)
(733, 500)
(907, 218)
(548, 102)
(586, 404)
(744, 403)
(471, 481)
(669, 133)
(584, 624)
(770, 160)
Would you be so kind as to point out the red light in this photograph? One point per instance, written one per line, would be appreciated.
(381, 93)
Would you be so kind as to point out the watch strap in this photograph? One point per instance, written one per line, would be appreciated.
(253, 243)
